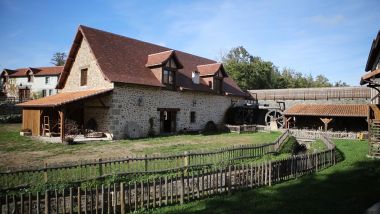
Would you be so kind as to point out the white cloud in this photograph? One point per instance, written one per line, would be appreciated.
(328, 20)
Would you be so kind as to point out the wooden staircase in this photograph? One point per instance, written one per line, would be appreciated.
(374, 139)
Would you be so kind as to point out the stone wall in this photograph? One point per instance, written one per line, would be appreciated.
(94, 109)
(95, 77)
(128, 118)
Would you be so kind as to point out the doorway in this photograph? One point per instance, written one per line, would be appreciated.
(168, 118)
(24, 94)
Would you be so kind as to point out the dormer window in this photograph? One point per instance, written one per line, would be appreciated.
(30, 78)
(164, 66)
(213, 75)
(168, 77)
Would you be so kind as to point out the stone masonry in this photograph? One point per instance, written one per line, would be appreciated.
(129, 119)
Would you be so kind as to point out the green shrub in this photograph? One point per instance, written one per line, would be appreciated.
(291, 146)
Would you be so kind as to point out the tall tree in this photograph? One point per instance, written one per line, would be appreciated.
(59, 58)
(251, 72)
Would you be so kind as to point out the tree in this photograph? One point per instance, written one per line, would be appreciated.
(59, 58)
(341, 84)
(251, 72)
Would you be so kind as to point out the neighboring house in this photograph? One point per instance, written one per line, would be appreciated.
(130, 88)
(30, 83)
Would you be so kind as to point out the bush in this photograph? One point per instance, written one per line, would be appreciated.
(210, 127)
(291, 146)
(13, 118)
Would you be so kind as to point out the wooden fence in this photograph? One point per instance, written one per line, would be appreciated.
(313, 93)
(179, 188)
(89, 170)
(314, 134)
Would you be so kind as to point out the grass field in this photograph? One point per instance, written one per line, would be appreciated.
(18, 151)
(349, 187)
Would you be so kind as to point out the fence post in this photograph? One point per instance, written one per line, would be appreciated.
(182, 188)
(100, 167)
(45, 173)
(145, 163)
(122, 199)
(47, 202)
(186, 161)
(270, 173)
(229, 179)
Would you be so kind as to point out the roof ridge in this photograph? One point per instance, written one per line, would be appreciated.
(118, 35)
(161, 52)
(209, 64)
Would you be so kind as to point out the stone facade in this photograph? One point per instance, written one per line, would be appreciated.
(131, 106)
(129, 117)
(95, 77)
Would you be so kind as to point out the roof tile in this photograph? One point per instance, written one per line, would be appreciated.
(328, 110)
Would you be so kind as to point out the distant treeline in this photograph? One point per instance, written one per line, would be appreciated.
(251, 72)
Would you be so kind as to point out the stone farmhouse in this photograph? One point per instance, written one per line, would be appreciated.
(130, 88)
(28, 83)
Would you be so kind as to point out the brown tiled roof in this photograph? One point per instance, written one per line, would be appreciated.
(63, 98)
(124, 60)
(328, 110)
(210, 69)
(40, 71)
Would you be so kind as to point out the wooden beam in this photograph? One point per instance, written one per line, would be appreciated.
(326, 121)
(62, 122)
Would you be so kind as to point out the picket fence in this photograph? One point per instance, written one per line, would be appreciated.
(101, 168)
(179, 188)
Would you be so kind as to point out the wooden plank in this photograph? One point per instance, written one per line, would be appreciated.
(79, 199)
(71, 201)
(122, 198)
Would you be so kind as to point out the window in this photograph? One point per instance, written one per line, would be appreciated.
(30, 78)
(47, 80)
(44, 93)
(210, 84)
(192, 117)
(50, 92)
(168, 77)
(218, 85)
(83, 76)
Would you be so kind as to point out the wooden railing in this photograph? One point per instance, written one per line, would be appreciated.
(178, 188)
(101, 168)
(314, 134)
(313, 93)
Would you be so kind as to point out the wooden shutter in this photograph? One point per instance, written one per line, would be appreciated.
(83, 77)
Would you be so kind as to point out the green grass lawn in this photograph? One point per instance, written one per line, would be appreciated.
(18, 151)
(349, 187)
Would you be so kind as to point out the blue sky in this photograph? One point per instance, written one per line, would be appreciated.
(332, 38)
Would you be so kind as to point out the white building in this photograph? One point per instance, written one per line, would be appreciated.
(30, 83)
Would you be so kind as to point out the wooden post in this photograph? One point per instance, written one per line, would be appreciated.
(186, 160)
(145, 163)
(45, 173)
(229, 179)
(326, 121)
(270, 173)
(182, 193)
(79, 200)
(122, 198)
(62, 122)
(100, 165)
